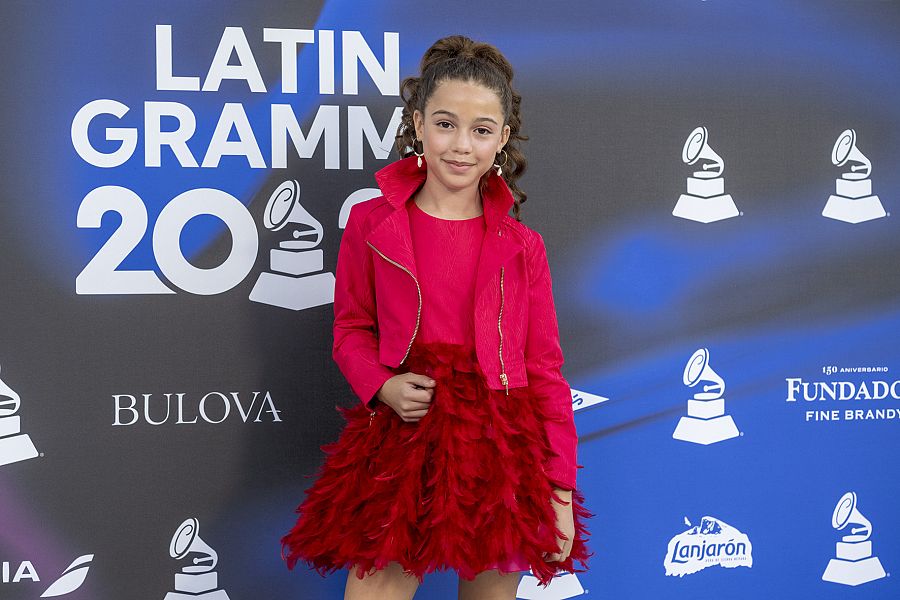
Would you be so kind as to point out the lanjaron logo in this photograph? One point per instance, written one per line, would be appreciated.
(712, 542)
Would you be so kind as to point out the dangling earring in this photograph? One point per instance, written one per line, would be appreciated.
(500, 166)
(419, 154)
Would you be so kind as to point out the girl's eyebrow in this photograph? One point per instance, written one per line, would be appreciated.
(453, 116)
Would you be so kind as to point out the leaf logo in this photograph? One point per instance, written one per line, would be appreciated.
(72, 577)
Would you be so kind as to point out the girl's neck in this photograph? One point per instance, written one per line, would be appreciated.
(449, 204)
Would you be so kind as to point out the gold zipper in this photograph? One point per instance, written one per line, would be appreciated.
(418, 289)
(418, 311)
(503, 378)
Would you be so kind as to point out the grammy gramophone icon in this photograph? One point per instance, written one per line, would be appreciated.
(14, 446)
(854, 564)
(852, 201)
(705, 200)
(706, 422)
(197, 580)
(296, 280)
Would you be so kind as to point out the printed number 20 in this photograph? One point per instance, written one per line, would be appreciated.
(100, 275)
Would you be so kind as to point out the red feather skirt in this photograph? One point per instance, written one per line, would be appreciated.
(462, 489)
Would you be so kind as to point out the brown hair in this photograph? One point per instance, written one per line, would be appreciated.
(459, 58)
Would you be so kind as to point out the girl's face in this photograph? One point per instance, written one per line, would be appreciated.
(461, 131)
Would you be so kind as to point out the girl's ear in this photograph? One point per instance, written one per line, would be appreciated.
(504, 137)
(418, 123)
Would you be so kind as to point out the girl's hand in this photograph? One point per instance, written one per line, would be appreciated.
(565, 522)
(409, 394)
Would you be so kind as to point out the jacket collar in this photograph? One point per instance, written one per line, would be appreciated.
(398, 183)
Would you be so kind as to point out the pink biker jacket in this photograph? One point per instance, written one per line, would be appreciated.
(378, 304)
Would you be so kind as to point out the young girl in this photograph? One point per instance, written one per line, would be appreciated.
(462, 452)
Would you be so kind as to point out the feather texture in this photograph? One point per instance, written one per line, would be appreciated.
(466, 488)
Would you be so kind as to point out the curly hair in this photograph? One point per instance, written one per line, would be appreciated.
(459, 58)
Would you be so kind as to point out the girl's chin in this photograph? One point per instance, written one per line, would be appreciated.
(458, 183)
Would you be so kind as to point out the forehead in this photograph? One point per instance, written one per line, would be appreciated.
(466, 99)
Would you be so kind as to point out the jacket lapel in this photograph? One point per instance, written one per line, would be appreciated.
(393, 238)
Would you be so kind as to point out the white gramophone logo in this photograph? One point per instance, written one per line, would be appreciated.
(14, 446)
(706, 422)
(705, 200)
(854, 564)
(295, 281)
(198, 580)
(852, 201)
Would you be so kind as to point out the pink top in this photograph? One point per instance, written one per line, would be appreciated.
(447, 252)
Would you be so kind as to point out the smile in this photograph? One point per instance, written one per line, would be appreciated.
(459, 166)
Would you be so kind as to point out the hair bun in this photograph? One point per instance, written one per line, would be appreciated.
(460, 47)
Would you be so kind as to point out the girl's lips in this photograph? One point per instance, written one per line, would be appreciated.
(459, 166)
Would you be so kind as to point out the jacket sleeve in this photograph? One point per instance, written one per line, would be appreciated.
(355, 321)
(543, 359)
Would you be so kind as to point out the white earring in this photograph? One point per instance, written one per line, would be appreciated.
(419, 154)
(500, 166)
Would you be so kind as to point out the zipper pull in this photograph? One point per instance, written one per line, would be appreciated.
(371, 417)
(505, 382)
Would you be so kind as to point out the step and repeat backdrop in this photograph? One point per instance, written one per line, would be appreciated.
(716, 184)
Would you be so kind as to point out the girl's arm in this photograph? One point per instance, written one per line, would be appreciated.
(543, 359)
(355, 321)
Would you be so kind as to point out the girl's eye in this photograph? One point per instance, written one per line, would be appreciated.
(483, 131)
(444, 124)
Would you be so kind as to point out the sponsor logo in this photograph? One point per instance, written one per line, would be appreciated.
(857, 393)
(853, 200)
(854, 564)
(10, 572)
(198, 579)
(14, 445)
(70, 580)
(183, 409)
(705, 200)
(706, 422)
(712, 542)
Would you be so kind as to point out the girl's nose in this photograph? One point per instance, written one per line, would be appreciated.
(462, 142)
